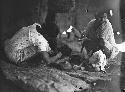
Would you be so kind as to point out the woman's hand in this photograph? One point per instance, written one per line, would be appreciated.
(59, 55)
(62, 60)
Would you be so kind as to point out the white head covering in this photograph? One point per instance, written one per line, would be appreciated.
(70, 29)
(98, 59)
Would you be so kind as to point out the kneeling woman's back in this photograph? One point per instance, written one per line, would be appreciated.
(25, 44)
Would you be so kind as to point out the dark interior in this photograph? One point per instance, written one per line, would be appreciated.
(19, 13)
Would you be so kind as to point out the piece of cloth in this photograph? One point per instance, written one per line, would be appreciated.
(25, 43)
(105, 31)
(98, 60)
(100, 29)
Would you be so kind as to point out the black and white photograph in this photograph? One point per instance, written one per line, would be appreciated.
(62, 46)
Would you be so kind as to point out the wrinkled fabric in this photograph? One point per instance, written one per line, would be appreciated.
(100, 29)
(97, 30)
(105, 31)
(25, 43)
(98, 59)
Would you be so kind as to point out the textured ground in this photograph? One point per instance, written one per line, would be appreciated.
(46, 79)
(43, 79)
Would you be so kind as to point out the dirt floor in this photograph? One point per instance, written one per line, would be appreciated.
(17, 79)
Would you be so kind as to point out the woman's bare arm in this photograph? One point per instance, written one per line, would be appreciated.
(49, 59)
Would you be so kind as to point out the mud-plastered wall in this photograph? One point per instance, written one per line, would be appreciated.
(84, 11)
(19, 13)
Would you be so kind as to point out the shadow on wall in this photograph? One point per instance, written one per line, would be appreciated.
(19, 13)
(16, 12)
(84, 11)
